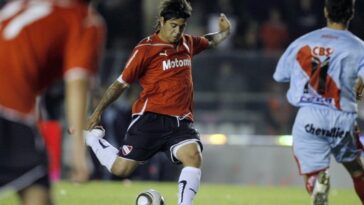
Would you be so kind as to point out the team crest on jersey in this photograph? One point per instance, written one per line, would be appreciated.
(126, 149)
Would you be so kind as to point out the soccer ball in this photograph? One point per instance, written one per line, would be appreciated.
(150, 197)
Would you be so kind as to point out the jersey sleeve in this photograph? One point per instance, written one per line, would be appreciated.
(84, 44)
(285, 65)
(199, 44)
(134, 67)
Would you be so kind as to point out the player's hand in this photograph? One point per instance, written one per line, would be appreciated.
(224, 23)
(93, 121)
(359, 86)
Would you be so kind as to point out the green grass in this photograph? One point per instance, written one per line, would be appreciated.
(124, 193)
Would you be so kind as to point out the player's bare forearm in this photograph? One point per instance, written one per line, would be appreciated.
(111, 94)
(76, 103)
(218, 37)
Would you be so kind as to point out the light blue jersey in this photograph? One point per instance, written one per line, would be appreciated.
(322, 67)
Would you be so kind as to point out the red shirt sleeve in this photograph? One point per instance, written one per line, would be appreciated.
(85, 42)
(134, 67)
(199, 44)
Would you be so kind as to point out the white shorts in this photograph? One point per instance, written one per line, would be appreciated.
(318, 133)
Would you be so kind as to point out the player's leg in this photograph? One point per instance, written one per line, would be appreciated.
(312, 152)
(185, 147)
(189, 154)
(355, 167)
(318, 186)
(108, 154)
(189, 181)
(123, 167)
(348, 151)
(23, 163)
(35, 194)
(142, 141)
(310, 180)
(356, 171)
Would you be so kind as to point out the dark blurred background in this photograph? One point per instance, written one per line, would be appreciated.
(234, 90)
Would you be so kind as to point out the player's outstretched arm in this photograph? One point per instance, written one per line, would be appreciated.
(224, 31)
(111, 94)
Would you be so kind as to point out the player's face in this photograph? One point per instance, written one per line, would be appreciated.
(172, 29)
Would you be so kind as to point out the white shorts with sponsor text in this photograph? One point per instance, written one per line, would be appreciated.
(320, 132)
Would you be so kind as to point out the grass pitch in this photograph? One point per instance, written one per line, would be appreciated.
(124, 193)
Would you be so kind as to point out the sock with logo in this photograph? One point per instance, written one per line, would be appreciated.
(359, 186)
(104, 151)
(189, 182)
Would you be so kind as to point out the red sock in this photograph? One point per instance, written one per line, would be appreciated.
(359, 186)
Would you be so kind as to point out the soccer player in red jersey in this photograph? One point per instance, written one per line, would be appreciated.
(40, 42)
(162, 115)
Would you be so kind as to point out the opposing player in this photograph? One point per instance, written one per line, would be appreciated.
(322, 68)
(41, 41)
(162, 115)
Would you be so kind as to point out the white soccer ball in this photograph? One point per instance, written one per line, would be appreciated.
(150, 197)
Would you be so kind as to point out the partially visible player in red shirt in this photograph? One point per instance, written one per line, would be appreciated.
(42, 41)
(162, 115)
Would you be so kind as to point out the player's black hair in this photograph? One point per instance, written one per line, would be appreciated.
(340, 11)
(170, 9)
(174, 9)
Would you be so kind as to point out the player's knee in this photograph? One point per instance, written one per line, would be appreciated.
(357, 175)
(120, 171)
(310, 180)
(355, 168)
(36, 194)
(309, 186)
(192, 159)
(122, 167)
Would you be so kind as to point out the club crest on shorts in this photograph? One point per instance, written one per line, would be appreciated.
(126, 149)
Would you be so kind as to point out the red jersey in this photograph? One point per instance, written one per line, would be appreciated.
(41, 41)
(165, 73)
